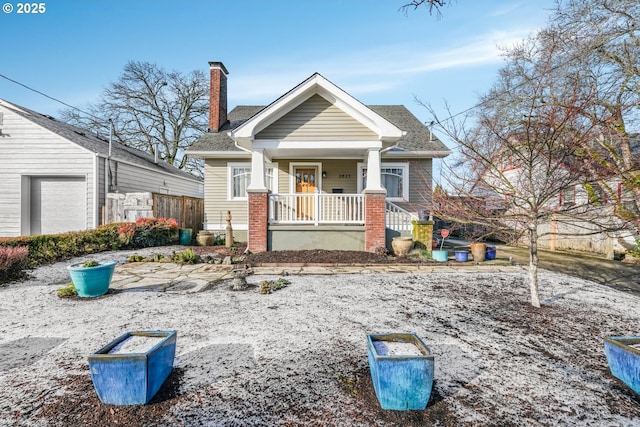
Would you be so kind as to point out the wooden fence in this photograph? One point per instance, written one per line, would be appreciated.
(188, 211)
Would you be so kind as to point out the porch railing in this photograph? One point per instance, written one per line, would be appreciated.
(316, 208)
(397, 218)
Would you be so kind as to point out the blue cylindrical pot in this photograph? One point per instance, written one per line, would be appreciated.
(490, 253)
(462, 256)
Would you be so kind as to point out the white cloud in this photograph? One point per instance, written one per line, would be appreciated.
(376, 69)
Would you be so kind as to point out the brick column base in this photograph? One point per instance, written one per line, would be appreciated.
(374, 221)
(258, 205)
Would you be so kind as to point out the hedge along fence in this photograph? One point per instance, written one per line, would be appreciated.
(48, 248)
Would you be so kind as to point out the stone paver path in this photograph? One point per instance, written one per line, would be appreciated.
(163, 277)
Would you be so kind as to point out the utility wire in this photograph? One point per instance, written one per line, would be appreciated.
(451, 117)
(50, 97)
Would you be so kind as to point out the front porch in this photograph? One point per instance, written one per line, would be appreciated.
(330, 221)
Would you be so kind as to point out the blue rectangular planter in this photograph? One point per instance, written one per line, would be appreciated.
(132, 378)
(624, 361)
(401, 382)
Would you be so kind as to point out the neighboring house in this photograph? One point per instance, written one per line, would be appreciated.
(582, 211)
(314, 169)
(605, 198)
(55, 176)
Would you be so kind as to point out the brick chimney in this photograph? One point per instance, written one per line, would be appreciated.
(217, 96)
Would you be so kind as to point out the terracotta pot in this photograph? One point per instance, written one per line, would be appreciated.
(478, 250)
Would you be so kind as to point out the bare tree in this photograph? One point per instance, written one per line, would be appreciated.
(520, 151)
(152, 110)
(433, 5)
(602, 46)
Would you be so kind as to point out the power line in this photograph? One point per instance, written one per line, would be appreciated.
(48, 96)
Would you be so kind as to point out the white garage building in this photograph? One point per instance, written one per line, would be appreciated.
(54, 176)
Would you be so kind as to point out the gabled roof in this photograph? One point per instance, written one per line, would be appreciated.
(416, 138)
(315, 85)
(95, 143)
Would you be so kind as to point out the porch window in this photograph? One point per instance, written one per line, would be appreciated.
(394, 178)
(239, 178)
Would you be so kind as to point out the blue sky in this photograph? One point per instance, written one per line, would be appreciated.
(369, 48)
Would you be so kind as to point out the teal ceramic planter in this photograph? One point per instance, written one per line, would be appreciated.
(91, 281)
(624, 360)
(132, 378)
(440, 255)
(185, 236)
(401, 379)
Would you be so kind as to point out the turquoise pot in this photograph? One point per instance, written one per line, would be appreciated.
(440, 255)
(402, 382)
(185, 236)
(91, 281)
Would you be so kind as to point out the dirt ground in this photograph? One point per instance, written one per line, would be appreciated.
(296, 357)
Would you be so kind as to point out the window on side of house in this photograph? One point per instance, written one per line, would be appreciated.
(628, 202)
(394, 178)
(568, 197)
(239, 178)
(596, 194)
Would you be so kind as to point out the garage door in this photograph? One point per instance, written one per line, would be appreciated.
(58, 204)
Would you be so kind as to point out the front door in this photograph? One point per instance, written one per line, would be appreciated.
(305, 184)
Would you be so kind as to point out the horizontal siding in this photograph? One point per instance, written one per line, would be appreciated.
(420, 183)
(29, 150)
(133, 179)
(317, 119)
(216, 204)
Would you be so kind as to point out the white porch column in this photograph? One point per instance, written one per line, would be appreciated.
(374, 179)
(257, 171)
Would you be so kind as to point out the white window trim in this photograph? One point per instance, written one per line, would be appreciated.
(386, 165)
(231, 165)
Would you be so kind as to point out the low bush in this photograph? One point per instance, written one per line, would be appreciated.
(188, 256)
(147, 232)
(68, 291)
(13, 260)
(49, 248)
(269, 286)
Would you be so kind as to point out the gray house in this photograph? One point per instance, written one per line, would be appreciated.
(55, 176)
